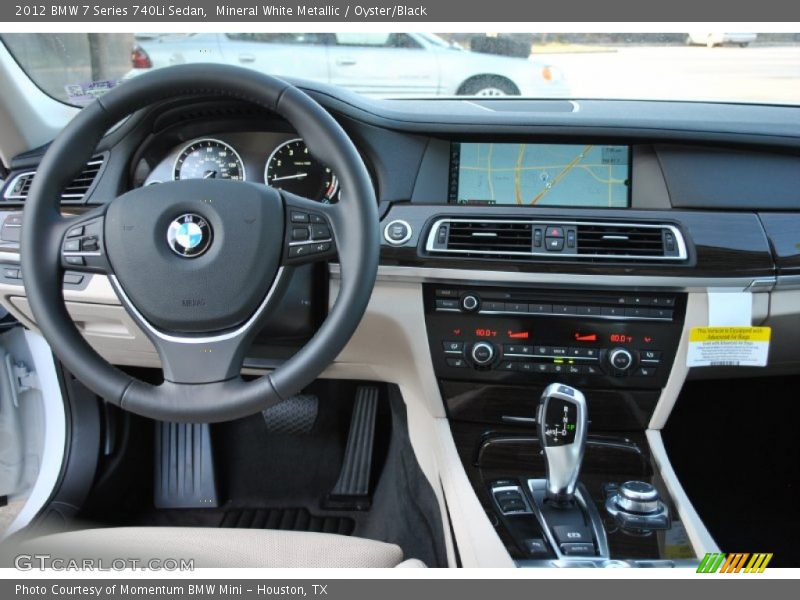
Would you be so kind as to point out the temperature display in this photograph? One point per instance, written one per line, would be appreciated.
(620, 338)
(485, 333)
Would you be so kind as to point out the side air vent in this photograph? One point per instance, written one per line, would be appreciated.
(577, 240)
(20, 185)
(620, 240)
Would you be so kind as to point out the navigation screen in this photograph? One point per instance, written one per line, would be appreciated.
(540, 174)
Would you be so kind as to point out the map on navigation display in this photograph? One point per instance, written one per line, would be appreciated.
(540, 174)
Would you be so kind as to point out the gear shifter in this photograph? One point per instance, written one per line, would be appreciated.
(561, 423)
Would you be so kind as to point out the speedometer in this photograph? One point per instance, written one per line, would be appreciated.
(208, 159)
(291, 167)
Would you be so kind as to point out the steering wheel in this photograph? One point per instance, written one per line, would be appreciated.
(199, 264)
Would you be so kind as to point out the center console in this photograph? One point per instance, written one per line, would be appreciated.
(548, 393)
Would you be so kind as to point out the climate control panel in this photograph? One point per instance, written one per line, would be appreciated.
(595, 338)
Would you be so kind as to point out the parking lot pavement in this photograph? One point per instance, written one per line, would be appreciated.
(755, 74)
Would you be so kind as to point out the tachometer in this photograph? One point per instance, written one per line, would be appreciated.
(208, 159)
(291, 167)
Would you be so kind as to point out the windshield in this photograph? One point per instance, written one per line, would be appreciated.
(716, 66)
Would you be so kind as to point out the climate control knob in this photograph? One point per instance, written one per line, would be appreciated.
(620, 359)
(482, 353)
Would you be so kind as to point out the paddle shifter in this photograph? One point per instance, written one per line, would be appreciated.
(561, 422)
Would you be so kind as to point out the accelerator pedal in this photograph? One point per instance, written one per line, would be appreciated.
(351, 491)
(184, 473)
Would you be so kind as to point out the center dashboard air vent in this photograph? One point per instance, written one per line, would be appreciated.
(520, 238)
(19, 187)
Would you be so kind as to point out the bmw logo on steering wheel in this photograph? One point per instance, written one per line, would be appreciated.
(189, 235)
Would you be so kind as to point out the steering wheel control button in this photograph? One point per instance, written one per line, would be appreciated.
(320, 232)
(75, 232)
(299, 217)
(397, 232)
(75, 261)
(189, 235)
(72, 245)
(300, 233)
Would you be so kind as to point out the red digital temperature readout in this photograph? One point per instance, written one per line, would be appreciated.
(485, 333)
(620, 338)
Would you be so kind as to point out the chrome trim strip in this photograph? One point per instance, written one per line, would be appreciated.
(12, 184)
(307, 242)
(552, 314)
(180, 339)
(682, 252)
(491, 277)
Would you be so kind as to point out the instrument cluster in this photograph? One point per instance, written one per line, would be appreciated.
(287, 163)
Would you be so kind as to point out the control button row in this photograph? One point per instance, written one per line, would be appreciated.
(551, 351)
(621, 312)
(546, 367)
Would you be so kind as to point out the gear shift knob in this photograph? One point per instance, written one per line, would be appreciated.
(561, 423)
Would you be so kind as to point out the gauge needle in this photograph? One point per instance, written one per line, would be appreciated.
(210, 175)
(295, 176)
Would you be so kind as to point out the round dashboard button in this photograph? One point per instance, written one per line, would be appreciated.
(397, 232)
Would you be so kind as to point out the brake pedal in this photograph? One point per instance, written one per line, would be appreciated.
(351, 491)
(184, 473)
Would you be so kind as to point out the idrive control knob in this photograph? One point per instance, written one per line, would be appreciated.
(620, 359)
(637, 497)
(482, 353)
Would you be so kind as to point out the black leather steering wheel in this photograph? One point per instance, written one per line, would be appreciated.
(199, 264)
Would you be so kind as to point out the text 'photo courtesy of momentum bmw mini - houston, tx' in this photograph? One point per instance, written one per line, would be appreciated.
(334, 291)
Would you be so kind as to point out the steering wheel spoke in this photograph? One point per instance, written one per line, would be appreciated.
(309, 232)
(83, 246)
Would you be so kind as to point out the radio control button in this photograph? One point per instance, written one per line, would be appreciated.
(613, 311)
(540, 308)
(516, 307)
(470, 303)
(443, 304)
(493, 306)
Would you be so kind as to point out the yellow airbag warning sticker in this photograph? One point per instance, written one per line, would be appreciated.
(728, 346)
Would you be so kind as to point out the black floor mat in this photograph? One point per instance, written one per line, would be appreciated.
(733, 445)
(274, 480)
(283, 519)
